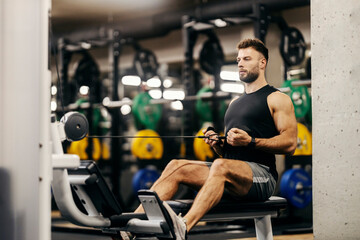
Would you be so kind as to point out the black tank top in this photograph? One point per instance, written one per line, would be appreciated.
(251, 113)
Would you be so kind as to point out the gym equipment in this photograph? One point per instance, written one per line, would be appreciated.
(145, 64)
(211, 56)
(204, 109)
(84, 198)
(87, 71)
(147, 145)
(300, 97)
(202, 150)
(76, 126)
(292, 46)
(99, 150)
(296, 187)
(144, 179)
(304, 141)
(99, 122)
(146, 115)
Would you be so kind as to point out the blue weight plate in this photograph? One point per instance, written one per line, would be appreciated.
(144, 179)
(295, 186)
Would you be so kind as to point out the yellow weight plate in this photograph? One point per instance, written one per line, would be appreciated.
(147, 148)
(202, 150)
(304, 141)
(105, 151)
(79, 148)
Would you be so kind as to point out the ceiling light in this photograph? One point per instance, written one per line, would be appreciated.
(155, 93)
(174, 94)
(233, 87)
(153, 82)
(53, 90)
(84, 90)
(53, 105)
(167, 83)
(131, 80)
(229, 75)
(220, 23)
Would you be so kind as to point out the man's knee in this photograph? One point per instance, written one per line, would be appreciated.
(219, 167)
(174, 165)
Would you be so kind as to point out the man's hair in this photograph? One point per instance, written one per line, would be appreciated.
(255, 44)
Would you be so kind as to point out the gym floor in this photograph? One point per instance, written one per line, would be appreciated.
(237, 230)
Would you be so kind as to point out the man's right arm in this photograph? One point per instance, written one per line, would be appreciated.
(213, 140)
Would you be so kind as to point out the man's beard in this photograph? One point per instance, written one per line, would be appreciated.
(251, 76)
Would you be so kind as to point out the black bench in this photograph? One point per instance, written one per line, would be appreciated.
(94, 205)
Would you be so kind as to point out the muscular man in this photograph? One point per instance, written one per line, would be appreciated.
(258, 125)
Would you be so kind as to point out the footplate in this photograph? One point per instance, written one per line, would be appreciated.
(159, 222)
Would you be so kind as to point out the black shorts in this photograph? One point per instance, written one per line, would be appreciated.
(263, 183)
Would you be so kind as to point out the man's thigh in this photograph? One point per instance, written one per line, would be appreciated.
(238, 175)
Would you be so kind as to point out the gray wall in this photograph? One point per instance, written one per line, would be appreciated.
(336, 118)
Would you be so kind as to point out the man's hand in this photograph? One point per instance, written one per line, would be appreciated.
(212, 139)
(238, 137)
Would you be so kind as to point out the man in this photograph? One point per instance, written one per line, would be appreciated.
(258, 125)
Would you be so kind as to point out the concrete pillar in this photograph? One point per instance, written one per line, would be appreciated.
(335, 49)
(25, 160)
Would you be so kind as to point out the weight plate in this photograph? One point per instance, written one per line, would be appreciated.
(99, 123)
(144, 179)
(211, 57)
(145, 64)
(202, 150)
(87, 71)
(295, 186)
(147, 148)
(76, 126)
(79, 148)
(300, 98)
(304, 141)
(146, 115)
(292, 46)
(204, 108)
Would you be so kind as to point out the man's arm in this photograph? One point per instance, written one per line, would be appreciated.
(282, 111)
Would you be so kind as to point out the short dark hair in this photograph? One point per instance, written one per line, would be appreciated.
(256, 44)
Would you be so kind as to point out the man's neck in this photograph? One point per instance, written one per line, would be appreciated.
(256, 85)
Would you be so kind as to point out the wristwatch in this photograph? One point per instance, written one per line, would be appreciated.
(252, 143)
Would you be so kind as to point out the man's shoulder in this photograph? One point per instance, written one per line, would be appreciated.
(279, 99)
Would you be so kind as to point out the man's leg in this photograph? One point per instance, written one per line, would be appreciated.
(234, 175)
(190, 173)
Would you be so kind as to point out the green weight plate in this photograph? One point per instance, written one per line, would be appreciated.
(146, 115)
(204, 108)
(300, 98)
(97, 119)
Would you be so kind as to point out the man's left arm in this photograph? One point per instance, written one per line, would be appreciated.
(282, 111)
(285, 121)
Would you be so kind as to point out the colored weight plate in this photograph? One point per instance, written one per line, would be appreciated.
(147, 148)
(79, 148)
(304, 141)
(202, 150)
(204, 108)
(100, 123)
(146, 115)
(144, 179)
(300, 98)
(295, 186)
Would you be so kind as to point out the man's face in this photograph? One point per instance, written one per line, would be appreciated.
(249, 62)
